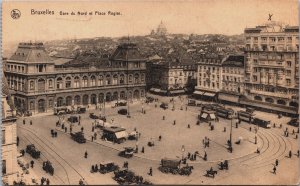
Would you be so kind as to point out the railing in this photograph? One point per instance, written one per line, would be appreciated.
(273, 94)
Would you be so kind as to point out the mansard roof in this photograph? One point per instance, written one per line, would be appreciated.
(127, 52)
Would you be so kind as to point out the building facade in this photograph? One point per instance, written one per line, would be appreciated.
(209, 77)
(272, 67)
(38, 84)
(9, 138)
(171, 78)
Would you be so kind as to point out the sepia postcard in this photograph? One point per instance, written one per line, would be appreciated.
(151, 92)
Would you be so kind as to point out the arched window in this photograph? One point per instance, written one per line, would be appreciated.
(142, 77)
(122, 79)
(269, 100)
(93, 99)
(31, 105)
(122, 95)
(101, 97)
(84, 81)
(136, 78)
(77, 100)
(108, 96)
(100, 80)
(294, 104)
(41, 85)
(85, 100)
(50, 83)
(142, 93)
(281, 102)
(41, 105)
(108, 80)
(130, 78)
(76, 82)
(93, 81)
(115, 79)
(60, 102)
(115, 96)
(257, 98)
(68, 82)
(68, 101)
(59, 83)
(136, 94)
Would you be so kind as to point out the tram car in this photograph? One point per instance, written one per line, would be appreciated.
(294, 122)
(30, 149)
(78, 137)
(47, 166)
(173, 166)
(261, 122)
(225, 113)
(245, 116)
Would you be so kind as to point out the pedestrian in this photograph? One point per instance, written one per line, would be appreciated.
(93, 128)
(250, 129)
(48, 181)
(42, 181)
(255, 140)
(82, 129)
(70, 129)
(85, 154)
(18, 140)
(209, 124)
(79, 118)
(159, 138)
(224, 129)
(96, 167)
(92, 138)
(30, 122)
(205, 156)
(66, 129)
(286, 129)
(150, 171)
(280, 125)
(79, 122)
(274, 170)
(298, 153)
(32, 163)
(163, 117)
(143, 150)
(274, 125)
(185, 108)
(276, 162)
(188, 126)
(287, 134)
(95, 136)
(236, 125)
(80, 182)
(293, 132)
(24, 122)
(296, 137)
(188, 155)
(257, 151)
(174, 123)
(290, 154)
(298, 130)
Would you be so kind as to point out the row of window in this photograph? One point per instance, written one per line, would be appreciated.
(15, 68)
(287, 81)
(234, 79)
(85, 82)
(209, 68)
(272, 39)
(209, 84)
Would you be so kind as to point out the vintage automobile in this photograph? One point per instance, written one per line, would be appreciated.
(122, 111)
(191, 102)
(81, 110)
(294, 122)
(173, 166)
(73, 119)
(47, 166)
(133, 135)
(106, 167)
(34, 153)
(120, 103)
(164, 106)
(149, 99)
(128, 177)
(78, 137)
(94, 116)
(127, 152)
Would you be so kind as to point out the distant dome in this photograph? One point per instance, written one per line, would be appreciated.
(161, 29)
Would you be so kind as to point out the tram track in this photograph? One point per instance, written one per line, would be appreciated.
(41, 161)
(63, 162)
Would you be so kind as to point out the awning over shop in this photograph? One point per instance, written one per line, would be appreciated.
(163, 91)
(122, 134)
(209, 94)
(229, 97)
(198, 92)
(212, 116)
(270, 107)
(177, 91)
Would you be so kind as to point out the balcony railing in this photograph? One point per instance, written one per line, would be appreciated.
(271, 94)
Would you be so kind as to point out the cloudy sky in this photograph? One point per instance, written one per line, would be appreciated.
(138, 18)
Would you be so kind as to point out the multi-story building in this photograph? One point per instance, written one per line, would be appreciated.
(39, 84)
(209, 78)
(171, 77)
(9, 138)
(233, 73)
(272, 67)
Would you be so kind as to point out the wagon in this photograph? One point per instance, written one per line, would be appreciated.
(30, 149)
(78, 137)
(127, 152)
(173, 166)
(47, 166)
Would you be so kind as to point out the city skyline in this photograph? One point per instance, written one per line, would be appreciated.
(228, 17)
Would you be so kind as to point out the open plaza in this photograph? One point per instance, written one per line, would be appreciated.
(175, 134)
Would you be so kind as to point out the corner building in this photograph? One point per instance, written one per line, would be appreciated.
(272, 67)
(39, 84)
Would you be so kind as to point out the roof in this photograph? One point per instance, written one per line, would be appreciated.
(127, 52)
(61, 61)
(31, 52)
(113, 129)
(234, 61)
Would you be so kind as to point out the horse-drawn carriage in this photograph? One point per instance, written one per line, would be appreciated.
(30, 149)
(133, 135)
(173, 166)
(94, 116)
(47, 166)
(127, 152)
(106, 167)
(78, 137)
(211, 172)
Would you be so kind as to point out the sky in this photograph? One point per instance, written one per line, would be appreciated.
(140, 17)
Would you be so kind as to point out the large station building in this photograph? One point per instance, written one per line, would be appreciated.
(39, 83)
